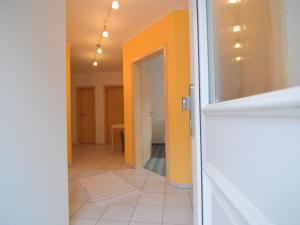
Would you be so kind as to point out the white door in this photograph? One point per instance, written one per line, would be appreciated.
(250, 146)
(146, 117)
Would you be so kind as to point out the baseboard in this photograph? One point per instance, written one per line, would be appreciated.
(180, 186)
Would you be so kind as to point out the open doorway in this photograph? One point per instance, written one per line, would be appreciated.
(150, 113)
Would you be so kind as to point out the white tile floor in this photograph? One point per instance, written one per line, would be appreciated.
(158, 204)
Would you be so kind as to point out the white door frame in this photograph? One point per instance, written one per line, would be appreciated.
(199, 78)
(136, 97)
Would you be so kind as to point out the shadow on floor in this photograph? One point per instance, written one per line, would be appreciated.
(157, 162)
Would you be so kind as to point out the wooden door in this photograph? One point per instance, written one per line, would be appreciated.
(86, 115)
(114, 111)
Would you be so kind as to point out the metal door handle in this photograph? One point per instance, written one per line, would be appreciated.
(187, 102)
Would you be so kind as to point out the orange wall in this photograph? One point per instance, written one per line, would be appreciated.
(171, 33)
(68, 89)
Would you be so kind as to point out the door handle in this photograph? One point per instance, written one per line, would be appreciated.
(187, 106)
(186, 103)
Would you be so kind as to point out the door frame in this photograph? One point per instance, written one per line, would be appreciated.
(137, 123)
(105, 87)
(200, 96)
(77, 112)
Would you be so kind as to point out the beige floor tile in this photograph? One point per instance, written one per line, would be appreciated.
(152, 199)
(148, 214)
(178, 215)
(156, 178)
(79, 196)
(89, 211)
(137, 178)
(130, 200)
(104, 222)
(82, 222)
(74, 206)
(178, 200)
(140, 172)
(140, 223)
(154, 187)
(90, 160)
(118, 212)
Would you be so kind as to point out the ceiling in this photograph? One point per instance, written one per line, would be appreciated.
(85, 22)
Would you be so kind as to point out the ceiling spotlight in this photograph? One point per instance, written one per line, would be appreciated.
(105, 33)
(115, 5)
(238, 45)
(236, 28)
(238, 58)
(99, 49)
(95, 63)
(233, 1)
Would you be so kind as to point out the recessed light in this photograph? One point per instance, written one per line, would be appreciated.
(233, 1)
(238, 58)
(115, 5)
(238, 45)
(236, 28)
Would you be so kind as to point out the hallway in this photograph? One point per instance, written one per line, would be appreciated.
(158, 203)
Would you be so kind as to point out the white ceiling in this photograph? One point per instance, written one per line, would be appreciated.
(85, 23)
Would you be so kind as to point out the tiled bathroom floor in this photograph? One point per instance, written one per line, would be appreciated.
(158, 204)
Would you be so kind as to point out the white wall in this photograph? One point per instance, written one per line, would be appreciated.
(293, 36)
(154, 68)
(99, 81)
(33, 163)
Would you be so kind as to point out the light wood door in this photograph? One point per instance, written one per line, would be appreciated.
(86, 115)
(114, 111)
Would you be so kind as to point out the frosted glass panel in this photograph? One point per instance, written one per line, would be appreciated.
(252, 47)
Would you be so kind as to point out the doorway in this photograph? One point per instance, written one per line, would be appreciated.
(86, 115)
(114, 114)
(150, 113)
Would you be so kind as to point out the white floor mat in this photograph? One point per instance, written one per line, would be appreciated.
(106, 188)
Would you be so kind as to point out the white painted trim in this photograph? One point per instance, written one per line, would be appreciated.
(243, 206)
(284, 102)
(196, 113)
(137, 120)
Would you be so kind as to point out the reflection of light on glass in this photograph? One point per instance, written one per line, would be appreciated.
(236, 28)
(238, 45)
(233, 1)
(238, 58)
